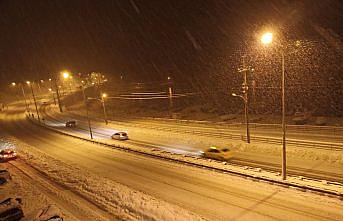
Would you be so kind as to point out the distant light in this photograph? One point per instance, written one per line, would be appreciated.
(41, 81)
(104, 95)
(65, 75)
(82, 82)
(13, 83)
(168, 78)
(93, 83)
(49, 79)
(28, 82)
(233, 94)
(50, 89)
(267, 38)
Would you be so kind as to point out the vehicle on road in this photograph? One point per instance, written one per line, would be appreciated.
(221, 154)
(4, 176)
(7, 154)
(10, 209)
(120, 136)
(71, 123)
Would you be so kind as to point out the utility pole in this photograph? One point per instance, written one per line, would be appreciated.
(246, 101)
(170, 95)
(103, 96)
(23, 91)
(85, 99)
(283, 119)
(58, 95)
(34, 99)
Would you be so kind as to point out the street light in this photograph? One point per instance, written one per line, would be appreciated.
(246, 115)
(34, 99)
(53, 96)
(23, 91)
(267, 39)
(65, 75)
(103, 96)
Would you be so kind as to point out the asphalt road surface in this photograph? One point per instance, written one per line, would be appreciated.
(213, 195)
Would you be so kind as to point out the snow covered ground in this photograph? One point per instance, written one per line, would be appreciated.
(188, 153)
(113, 198)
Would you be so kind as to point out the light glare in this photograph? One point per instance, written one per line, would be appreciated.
(267, 38)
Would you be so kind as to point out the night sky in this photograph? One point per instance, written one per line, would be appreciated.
(149, 39)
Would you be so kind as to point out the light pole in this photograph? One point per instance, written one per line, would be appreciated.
(103, 97)
(170, 95)
(58, 95)
(266, 39)
(85, 99)
(246, 113)
(102, 100)
(34, 99)
(53, 96)
(23, 91)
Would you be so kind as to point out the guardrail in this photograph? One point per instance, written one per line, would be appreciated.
(335, 130)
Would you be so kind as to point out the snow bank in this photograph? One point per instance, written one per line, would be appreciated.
(116, 198)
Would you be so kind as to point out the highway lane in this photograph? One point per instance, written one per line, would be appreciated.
(295, 166)
(213, 195)
(224, 130)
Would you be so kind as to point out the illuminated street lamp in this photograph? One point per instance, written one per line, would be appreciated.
(53, 96)
(103, 96)
(24, 95)
(267, 39)
(65, 75)
(34, 98)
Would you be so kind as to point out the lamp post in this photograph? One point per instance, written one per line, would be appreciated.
(85, 99)
(58, 95)
(267, 39)
(170, 96)
(34, 99)
(246, 113)
(103, 97)
(24, 95)
(53, 96)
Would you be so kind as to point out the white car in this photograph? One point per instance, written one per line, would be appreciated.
(222, 154)
(120, 136)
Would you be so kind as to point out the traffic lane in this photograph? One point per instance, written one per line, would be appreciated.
(310, 168)
(307, 136)
(216, 196)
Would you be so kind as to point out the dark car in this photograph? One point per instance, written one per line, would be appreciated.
(71, 123)
(10, 209)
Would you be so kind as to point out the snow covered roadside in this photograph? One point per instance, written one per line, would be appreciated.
(193, 142)
(259, 174)
(117, 199)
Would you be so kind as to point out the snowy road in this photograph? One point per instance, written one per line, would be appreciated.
(189, 144)
(213, 195)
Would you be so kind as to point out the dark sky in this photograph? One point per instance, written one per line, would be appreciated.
(147, 39)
